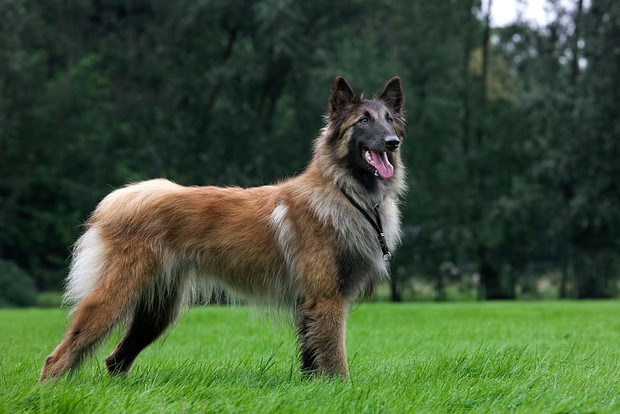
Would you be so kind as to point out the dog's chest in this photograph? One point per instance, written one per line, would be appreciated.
(360, 258)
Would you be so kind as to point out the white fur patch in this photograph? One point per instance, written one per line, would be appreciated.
(278, 215)
(284, 234)
(89, 256)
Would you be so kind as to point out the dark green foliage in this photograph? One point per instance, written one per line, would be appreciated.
(16, 286)
(512, 142)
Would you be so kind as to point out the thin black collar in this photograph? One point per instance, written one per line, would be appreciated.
(375, 225)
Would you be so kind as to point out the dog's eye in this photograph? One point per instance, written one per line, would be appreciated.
(364, 120)
(389, 119)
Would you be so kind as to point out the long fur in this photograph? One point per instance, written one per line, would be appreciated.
(153, 247)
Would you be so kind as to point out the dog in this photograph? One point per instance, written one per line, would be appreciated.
(312, 243)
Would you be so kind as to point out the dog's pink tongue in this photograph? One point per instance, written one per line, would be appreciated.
(380, 160)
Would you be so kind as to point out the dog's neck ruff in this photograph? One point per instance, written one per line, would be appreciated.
(376, 224)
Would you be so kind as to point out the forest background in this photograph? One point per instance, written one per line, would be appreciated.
(513, 139)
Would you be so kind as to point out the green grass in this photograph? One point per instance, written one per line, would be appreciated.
(456, 357)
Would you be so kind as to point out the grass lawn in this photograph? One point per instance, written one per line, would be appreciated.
(420, 357)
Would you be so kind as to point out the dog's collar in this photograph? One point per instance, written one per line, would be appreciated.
(376, 224)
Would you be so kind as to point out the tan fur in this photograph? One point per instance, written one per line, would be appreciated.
(154, 246)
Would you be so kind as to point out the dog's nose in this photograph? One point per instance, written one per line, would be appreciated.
(392, 142)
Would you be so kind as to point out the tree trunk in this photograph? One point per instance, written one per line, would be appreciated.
(466, 121)
(575, 61)
(494, 285)
(483, 73)
(395, 295)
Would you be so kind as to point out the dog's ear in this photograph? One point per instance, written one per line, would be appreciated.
(342, 95)
(392, 95)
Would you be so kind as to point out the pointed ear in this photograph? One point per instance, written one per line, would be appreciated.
(342, 95)
(392, 95)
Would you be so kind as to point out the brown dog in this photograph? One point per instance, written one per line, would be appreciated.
(314, 243)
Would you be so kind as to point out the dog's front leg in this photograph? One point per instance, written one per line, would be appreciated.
(321, 324)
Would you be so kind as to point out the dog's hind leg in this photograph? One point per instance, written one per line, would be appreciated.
(156, 310)
(119, 288)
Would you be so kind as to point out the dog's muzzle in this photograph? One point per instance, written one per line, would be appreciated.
(392, 142)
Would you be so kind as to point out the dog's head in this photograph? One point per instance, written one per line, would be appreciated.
(366, 134)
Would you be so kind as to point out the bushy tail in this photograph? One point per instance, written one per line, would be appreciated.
(87, 265)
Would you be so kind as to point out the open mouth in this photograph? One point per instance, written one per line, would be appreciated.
(380, 163)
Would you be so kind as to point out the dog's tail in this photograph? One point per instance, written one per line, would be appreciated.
(87, 266)
(93, 257)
